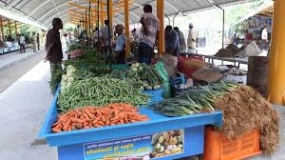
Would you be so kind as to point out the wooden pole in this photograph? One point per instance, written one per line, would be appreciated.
(160, 15)
(10, 29)
(127, 27)
(16, 29)
(111, 13)
(2, 29)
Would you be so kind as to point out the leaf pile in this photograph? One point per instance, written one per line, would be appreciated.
(245, 109)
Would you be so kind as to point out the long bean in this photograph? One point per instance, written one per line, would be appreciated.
(100, 91)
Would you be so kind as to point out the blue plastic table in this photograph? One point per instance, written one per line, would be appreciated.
(84, 144)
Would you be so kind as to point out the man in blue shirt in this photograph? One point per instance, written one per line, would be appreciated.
(171, 41)
(121, 44)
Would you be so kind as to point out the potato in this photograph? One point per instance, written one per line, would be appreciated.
(173, 141)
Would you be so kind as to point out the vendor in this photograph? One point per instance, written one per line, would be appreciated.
(171, 41)
(121, 44)
(248, 38)
(191, 40)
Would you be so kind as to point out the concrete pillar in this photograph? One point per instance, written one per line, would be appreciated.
(276, 78)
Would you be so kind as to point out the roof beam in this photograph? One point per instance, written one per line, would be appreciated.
(50, 11)
(56, 7)
(167, 3)
(38, 7)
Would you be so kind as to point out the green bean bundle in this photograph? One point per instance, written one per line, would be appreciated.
(100, 91)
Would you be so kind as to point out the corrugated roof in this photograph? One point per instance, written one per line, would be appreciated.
(43, 11)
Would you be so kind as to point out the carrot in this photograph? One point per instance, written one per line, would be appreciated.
(89, 114)
(66, 125)
(95, 120)
(88, 117)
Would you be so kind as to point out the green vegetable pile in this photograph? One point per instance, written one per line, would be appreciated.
(75, 47)
(100, 91)
(197, 100)
(142, 76)
(72, 74)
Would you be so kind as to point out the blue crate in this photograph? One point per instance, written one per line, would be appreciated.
(70, 143)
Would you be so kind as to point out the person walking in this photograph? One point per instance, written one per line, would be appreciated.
(121, 44)
(181, 39)
(34, 42)
(38, 41)
(171, 41)
(191, 41)
(54, 53)
(22, 44)
(148, 35)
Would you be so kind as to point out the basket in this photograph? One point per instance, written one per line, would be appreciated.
(218, 147)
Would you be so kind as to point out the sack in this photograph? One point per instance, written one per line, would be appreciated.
(189, 65)
(159, 67)
(170, 64)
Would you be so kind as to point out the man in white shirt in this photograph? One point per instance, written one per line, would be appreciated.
(22, 44)
(264, 37)
(105, 32)
(191, 41)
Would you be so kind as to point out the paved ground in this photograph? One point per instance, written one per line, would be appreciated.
(14, 65)
(23, 108)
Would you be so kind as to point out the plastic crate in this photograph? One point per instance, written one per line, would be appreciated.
(175, 84)
(218, 147)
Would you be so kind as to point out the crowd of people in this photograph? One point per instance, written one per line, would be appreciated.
(146, 39)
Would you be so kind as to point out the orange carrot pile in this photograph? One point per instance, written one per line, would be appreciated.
(94, 117)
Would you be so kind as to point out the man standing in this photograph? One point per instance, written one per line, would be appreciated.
(121, 44)
(171, 41)
(34, 41)
(105, 32)
(22, 44)
(264, 37)
(191, 41)
(148, 35)
(38, 41)
(181, 39)
(54, 53)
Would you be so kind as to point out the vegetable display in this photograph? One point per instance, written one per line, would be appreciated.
(100, 91)
(142, 76)
(72, 74)
(95, 117)
(167, 143)
(145, 75)
(197, 100)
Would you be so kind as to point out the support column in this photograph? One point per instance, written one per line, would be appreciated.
(160, 15)
(127, 26)
(101, 15)
(10, 29)
(276, 79)
(111, 15)
(2, 28)
(16, 29)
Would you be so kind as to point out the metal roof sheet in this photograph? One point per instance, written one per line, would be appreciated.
(43, 11)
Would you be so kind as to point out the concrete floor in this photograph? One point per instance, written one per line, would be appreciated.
(23, 108)
(14, 65)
